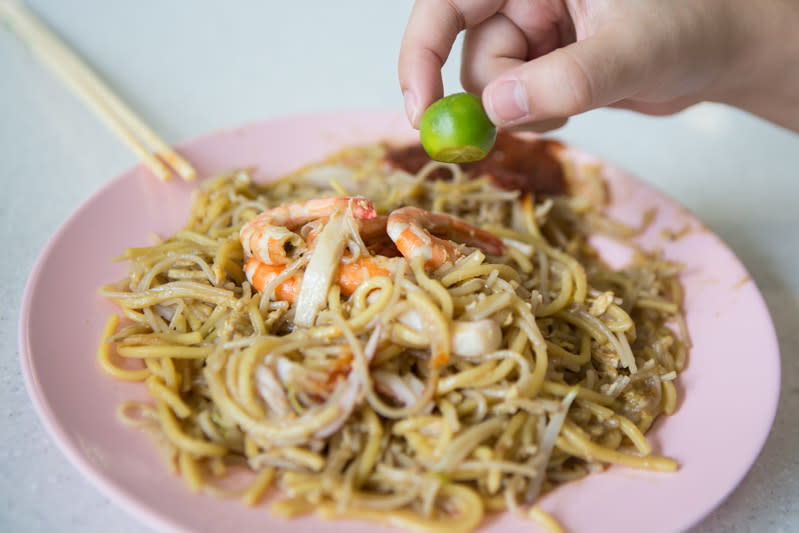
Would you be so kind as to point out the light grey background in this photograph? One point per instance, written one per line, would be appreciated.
(190, 67)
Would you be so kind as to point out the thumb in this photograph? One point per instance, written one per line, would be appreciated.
(597, 71)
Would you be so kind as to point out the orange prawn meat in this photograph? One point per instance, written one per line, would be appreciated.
(270, 236)
(349, 277)
(434, 236)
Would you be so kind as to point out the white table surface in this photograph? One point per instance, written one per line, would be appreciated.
(190, 67)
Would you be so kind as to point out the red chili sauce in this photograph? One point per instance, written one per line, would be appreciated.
(515, 163)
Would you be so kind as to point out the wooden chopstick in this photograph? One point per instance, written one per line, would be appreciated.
(54, 53)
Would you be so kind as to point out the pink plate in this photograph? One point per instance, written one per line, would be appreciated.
(716, 434)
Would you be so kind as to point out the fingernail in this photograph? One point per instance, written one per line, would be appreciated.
(411, 105)
(507, 102)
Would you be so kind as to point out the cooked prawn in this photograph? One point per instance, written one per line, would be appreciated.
(349, 277)
(435, 236)
(374, 235)
(259, 274)
(270, 236)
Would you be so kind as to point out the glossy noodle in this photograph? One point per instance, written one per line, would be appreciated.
(367, 377)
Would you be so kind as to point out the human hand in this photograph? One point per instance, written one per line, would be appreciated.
(538, 62)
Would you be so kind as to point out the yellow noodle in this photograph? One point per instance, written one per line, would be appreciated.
(417, 423)
(562, 299)
(190, 472)
(245, 384)
(488, 306)
(657, 304)
(403, 335)
(250, 448)
(612, 439)
(590, 450)
(578, 272)
(257, 488)
(572, 359)
(545, 520)
(222, 263)
(528, 211)
(467, 506)
(371, 450)
(465, 378)
(384, 288)
(103, 356)
(559, 389)
(176, 351)
(623, 321)
(498, 373)
(437, 326)
(634, 434)
(175, 289)
(176, 436)
(210, 322)
(257, 321)
(541, 357)
(268, 431)
(160, 391)
(625, 424)
(368, 413)
(197, 238)
(154, 366)
(420, 444)
(669, 397)
(525, 265)
(310, 460)
(431, 286)
(463, 274)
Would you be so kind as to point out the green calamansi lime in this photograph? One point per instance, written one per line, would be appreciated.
(456, 129)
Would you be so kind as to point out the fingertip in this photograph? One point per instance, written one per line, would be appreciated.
(411, 107)
(420, 82)
(432, 28)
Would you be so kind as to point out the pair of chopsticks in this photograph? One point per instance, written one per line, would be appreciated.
(54, 53)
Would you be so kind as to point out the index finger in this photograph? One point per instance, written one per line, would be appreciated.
(432, 28)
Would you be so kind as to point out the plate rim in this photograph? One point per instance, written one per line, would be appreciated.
(143, 513)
